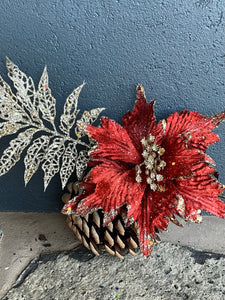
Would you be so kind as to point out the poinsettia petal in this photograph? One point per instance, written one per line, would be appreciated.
(217, 119)
(115, 186)
(194, 128)
(146, 230)
(186, 138)
(113, 142)
(70, 207)
(140, 122)
(154, 211)
(201, 192)
(180, 160)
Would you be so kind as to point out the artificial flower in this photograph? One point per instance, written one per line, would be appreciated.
(155, 170)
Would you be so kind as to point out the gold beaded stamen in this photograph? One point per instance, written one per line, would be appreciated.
(153, 163)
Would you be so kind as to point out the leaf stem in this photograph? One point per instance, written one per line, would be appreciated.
(56, 133)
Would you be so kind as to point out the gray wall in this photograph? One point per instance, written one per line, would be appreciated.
(174, 48)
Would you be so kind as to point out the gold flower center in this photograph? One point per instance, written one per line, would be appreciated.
(152, 164)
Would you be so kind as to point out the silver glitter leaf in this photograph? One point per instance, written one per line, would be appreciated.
(9, 108)
(25, 87)
(81, 164)
(88, 117)
(52, 157)
(46, 101)
(69, 160)
(12, 154)
(70, 110)
(35, 155)
(7, 128)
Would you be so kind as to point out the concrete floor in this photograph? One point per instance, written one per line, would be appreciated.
(28, 235)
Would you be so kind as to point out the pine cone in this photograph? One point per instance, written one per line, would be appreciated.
(116, 238)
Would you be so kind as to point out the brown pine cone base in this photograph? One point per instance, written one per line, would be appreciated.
(115, 237)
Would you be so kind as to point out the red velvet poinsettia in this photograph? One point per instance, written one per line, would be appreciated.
(156, 170)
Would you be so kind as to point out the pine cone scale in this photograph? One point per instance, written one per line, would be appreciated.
(85, 228)
(96, 219)
(120, 227)
(95, 235)
(120, 242)
(108, 238)
(108, 248)
(94, 247)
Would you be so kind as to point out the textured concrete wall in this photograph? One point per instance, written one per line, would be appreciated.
(174, 48)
